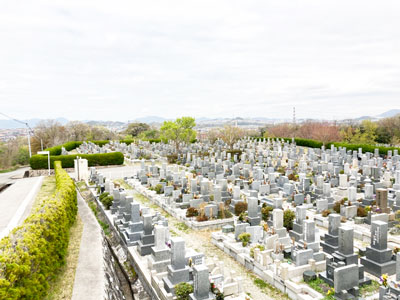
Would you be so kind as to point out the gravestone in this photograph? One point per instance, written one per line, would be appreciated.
(331, 239)
(160, 253)
(378, 258)
(297, 232)
(344, 256)
(178, 271)
(133, 233)
(147, 237)
(201, 284)
(252, 209)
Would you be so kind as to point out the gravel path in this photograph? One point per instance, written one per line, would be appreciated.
(201, 242)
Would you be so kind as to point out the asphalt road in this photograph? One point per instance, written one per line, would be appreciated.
(16, 200)
(10, 177)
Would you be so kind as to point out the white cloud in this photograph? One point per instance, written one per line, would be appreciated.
(124, 59)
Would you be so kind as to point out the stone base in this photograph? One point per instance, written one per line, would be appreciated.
(297, 236)
(174, 277)
(144, 249)
(281, 232)
(254, 221)
(395, 208)
(327, 248)
(210, 296)
(361, 282)
(158, 266)
(377, 269)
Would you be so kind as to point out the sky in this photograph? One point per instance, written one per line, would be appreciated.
(121, 60)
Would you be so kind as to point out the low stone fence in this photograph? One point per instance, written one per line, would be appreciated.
(191, 222)
(282, 273)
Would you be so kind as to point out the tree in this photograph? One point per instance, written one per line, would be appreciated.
(135, 129)
(149, 134)
(78, 131)
(231, 134)
(178, 131)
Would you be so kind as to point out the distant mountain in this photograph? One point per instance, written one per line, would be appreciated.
(11, 124)
(389, 113)
(150, 119)
(106, 123)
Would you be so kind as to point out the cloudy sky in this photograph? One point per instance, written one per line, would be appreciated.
(119, 60)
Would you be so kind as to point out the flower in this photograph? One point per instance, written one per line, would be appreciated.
(331, 291)
(383, 279)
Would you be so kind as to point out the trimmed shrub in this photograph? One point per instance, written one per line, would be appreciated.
(261, 247)
(182, 290)
(361, 212)
(192, 212)
(265, 211)
(33, 252)
(288, 217)
(172, 158)
(326, 213)
(244, 238)
(159, 189)
(102, 159)
(106, 199)
(336, 207)
(240, 207)
(319, 144)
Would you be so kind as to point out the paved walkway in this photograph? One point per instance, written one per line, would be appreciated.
(89, 278)
(16, 202)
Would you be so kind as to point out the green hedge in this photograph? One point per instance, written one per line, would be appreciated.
(364, 147)
(319, 144)
(33, 252)
(102, 159)
(56, 150)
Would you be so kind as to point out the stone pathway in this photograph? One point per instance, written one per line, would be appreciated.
(201, 242)
(89, 278)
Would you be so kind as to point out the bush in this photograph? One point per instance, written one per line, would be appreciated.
(182, 290)
(244, 238)
(240, 207)
(192, 212)
(201, 218)
(106, 199)
(326, 213)
(265, 211)
(261, 247)
(103, 159)
(336, 207)
(172, 158)
(288, 217)
(158, 188)
(361, 212)
(32, 253)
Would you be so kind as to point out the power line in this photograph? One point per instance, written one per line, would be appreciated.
(19, 121)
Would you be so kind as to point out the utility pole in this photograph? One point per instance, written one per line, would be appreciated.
(28, 130)
(294, 115)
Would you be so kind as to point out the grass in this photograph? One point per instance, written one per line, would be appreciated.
(62, 286)
(9, 169)
(370, 289)
(268, 289)
(47, 189)
(123, 184)
(182, 227)
(321, 287)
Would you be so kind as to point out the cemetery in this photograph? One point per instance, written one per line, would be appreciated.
(284, 212)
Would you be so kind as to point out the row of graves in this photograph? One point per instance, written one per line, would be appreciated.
(131, 152)
(162, 258)
(310, 182)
